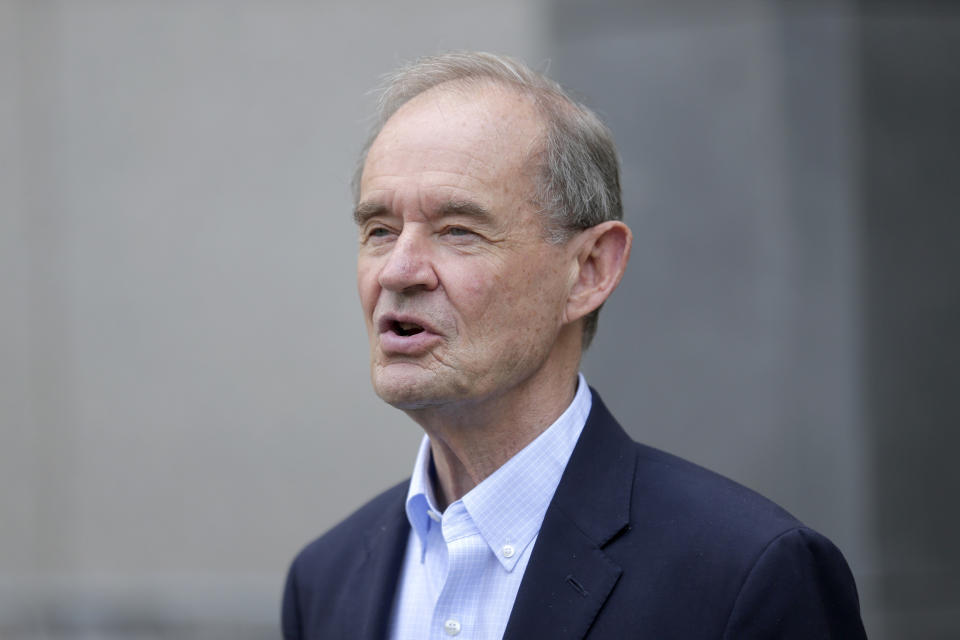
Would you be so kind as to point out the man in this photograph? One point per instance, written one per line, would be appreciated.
(488, 208)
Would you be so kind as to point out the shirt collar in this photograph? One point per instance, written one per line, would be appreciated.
(508, 506)
(422, 509)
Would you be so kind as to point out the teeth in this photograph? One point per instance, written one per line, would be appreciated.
(408, 326)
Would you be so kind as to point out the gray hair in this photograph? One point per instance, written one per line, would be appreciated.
(578, 177)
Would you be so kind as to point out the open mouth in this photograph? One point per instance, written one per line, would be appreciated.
(406, 328)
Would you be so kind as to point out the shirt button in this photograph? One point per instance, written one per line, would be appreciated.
(452, 627)
(433, 515)
(507, 550)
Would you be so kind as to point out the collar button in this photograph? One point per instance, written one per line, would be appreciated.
(452, 627)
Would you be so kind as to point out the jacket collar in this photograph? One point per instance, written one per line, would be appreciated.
(569, 577)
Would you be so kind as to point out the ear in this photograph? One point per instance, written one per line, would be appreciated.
(602, 253)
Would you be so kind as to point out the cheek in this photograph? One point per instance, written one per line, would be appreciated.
(539, 294)
(478, 287)
(471, 284)
(523, 295)
(478, 296)
(516, 298)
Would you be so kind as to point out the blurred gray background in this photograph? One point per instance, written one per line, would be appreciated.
(184, 396)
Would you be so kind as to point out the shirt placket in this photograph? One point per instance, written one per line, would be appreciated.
(458, 608)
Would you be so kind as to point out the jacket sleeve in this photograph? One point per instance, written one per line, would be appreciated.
(799, 587)
(290, 612)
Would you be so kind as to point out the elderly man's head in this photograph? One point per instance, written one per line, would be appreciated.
(575, 167)
(485, 200)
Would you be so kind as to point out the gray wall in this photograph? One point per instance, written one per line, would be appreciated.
(184, 397)
(910, 231)
(735, 336)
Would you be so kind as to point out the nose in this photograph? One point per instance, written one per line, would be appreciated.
(409, 264)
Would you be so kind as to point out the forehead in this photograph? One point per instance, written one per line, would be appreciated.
(457, 137)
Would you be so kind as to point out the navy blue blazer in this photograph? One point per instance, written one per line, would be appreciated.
(636, 543)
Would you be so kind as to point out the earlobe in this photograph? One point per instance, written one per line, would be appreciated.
(602, 260)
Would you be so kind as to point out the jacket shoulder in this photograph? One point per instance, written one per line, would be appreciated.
(747, 565)
(703, 556)
(314, 597)
(675, 495)
(699, 497)
(340, 543)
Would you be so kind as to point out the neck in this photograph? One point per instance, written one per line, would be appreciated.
(473, 439)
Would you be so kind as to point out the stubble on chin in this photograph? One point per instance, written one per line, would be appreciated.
(402, 391)
(410, 387)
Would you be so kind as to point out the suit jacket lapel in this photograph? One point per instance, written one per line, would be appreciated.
(569, 577)
(374, 583)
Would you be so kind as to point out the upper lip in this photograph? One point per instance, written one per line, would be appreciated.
(387, 320)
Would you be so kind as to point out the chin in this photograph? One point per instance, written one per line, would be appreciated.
(409, 392)
(407, 399)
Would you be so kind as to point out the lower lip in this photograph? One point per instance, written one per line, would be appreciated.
(393, 343)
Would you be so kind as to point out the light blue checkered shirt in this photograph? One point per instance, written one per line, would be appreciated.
(463, 568)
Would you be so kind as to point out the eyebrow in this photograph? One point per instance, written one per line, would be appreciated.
(464, 208)
(367, 210)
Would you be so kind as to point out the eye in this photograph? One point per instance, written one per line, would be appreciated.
(458, 232)
(377, 234)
